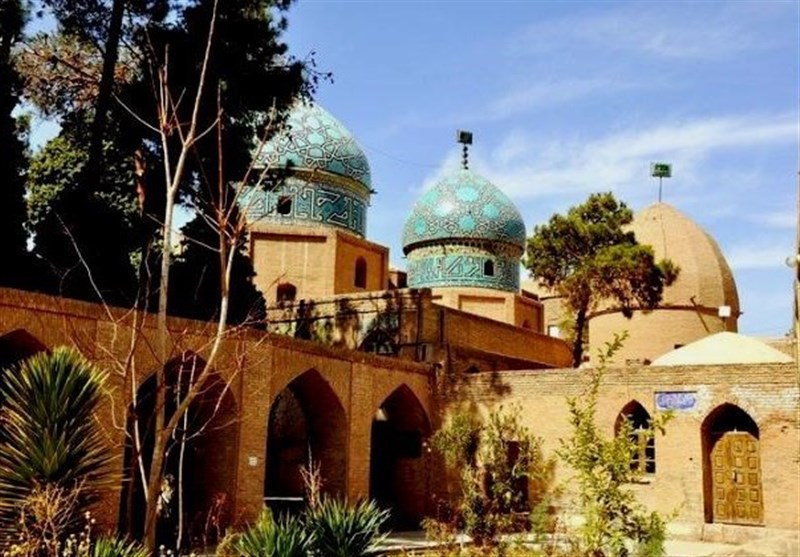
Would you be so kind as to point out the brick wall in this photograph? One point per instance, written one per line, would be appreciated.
(767, 393)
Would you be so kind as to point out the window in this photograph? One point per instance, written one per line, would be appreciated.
(284, 206)
(488, 268)
(379, 342)
(644, 457)
(361, 273)
(287, 292)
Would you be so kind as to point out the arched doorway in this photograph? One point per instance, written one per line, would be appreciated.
(398, 475)
(732, 467)
(200, 461)
(307, 423)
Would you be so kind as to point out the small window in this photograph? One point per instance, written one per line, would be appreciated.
(488, 268)
(361, 273)
(287, 292)
(284, 206)
(644, 455)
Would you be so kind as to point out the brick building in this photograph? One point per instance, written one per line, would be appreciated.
(356, 369)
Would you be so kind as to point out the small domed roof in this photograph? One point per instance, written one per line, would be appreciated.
(723, 348)
(464, 206)
(705, 279)
(312, 139)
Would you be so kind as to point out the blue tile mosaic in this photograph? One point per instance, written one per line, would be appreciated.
(464, 205)
(312, 139)
(307, 203)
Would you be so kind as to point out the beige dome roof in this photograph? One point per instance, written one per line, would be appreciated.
(721, 349)
(705, 279)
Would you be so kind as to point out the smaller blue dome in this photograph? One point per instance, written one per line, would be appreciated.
(464, 206)
(312, 139)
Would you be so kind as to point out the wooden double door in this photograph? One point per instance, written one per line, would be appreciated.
(736, 479)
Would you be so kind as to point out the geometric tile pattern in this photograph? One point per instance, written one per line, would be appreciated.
(305, 203)
(313, 139)
(429, 270)
(464, 205)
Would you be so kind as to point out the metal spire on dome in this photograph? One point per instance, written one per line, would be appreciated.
(465, 138)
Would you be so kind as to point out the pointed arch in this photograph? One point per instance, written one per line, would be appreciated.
(306, 422)
(18, 345)
(201, 455)
(379, 342)
(398, 457)
(644, 457)
(732, 487)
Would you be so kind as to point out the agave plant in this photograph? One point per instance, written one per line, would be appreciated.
(114, 547)
(286, 537)
(48, 435)
(342, 530)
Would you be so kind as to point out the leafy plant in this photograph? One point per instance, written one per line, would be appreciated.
(48, 434)
(614, 522)
(287, 537)
(113, 547)
(342, 530)
(501, 470)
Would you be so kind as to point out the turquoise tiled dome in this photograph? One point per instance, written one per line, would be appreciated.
(312, 139)
(464, 206)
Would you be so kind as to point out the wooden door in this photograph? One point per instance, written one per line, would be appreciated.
(736, 477)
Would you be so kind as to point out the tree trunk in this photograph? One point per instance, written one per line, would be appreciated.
(577, 345)
(91, 176)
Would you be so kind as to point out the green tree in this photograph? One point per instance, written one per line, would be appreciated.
(17, 262)
(497, 463)
(615, 524)
(48, 432)
(588, 257)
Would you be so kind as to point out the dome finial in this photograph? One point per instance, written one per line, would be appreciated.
(660, 170)
(465, 138)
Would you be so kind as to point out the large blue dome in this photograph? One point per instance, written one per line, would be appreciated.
(464, 206)
(312, 139)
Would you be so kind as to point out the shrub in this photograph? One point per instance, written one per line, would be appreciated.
(48, 434)
(501, 474)
(342, 530)
(615, 523)
(287, 537)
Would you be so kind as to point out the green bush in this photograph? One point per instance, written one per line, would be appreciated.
(112, 547)
(48, 433)
(286, 537)
(342, 530)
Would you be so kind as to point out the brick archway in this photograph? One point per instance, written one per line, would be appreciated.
(201, 459)
(307, 423)
(398, 457)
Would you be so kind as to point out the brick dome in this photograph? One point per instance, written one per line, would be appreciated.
(705, 279)
(689, 309)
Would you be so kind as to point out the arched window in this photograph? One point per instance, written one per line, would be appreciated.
(361, 273)
(488, 268)
(284, 205)
(644, 457)
(379, 342)
(287, 292)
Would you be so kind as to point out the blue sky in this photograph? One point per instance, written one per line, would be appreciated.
(566, 98)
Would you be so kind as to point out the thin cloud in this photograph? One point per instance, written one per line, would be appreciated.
(671, 35)
(759, 255)
(786, 219)
(526, 168)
